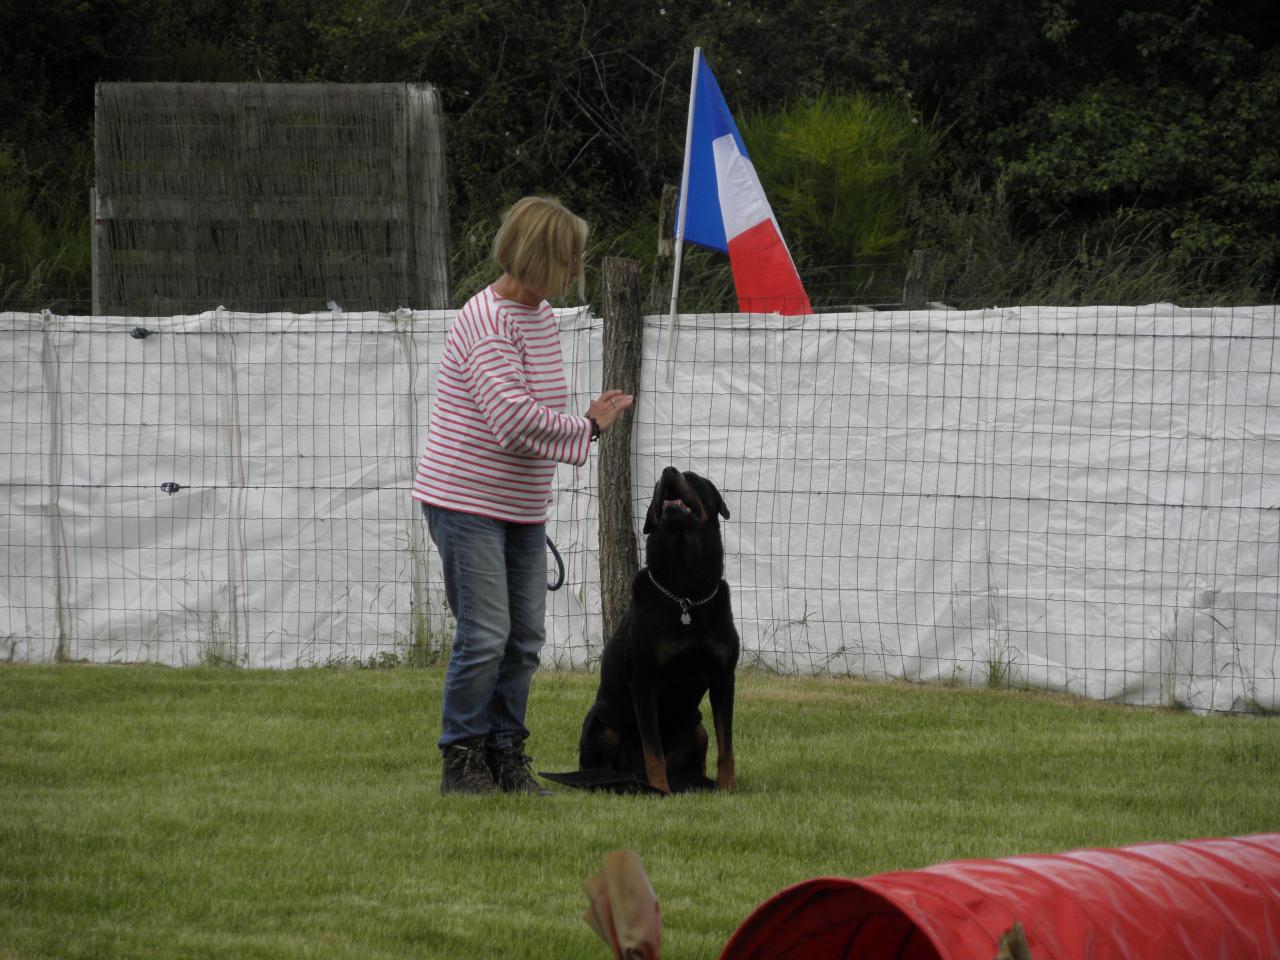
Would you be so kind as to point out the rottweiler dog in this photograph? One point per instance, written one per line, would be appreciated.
(675, 643)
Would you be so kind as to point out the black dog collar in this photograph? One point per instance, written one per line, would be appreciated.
(685, 603)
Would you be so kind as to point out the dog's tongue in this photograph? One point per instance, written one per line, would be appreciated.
(674, 503)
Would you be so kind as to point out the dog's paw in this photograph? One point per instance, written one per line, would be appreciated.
(661, 785)
(726, 773)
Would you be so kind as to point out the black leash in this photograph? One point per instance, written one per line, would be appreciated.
(559, 567)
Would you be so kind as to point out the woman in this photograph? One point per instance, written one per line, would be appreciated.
(497, 430)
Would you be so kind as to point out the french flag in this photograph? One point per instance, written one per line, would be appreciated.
(723, 206)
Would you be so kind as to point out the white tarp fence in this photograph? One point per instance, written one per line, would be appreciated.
(1075, 499)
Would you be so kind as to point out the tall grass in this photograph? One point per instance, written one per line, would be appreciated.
(45, 235)
(980, 258)
(221, 813)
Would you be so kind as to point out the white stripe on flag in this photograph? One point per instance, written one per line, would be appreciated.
(742, 199)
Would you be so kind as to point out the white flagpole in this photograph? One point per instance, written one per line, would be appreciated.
(672, 321)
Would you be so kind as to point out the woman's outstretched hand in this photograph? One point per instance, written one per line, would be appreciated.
(610, 405)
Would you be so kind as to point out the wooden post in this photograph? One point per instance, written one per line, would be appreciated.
(915, 291)
(97, 251)
(663, 265)
(622, 335)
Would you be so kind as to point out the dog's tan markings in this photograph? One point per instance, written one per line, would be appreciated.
(655, 769)
(704, 515)
(667, 650)
(726, 776)
(722, 651)
(726, 773)
(722, 717)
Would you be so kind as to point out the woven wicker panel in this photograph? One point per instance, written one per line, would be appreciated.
(269, 197)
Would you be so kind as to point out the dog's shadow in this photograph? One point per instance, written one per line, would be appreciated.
(612, 781)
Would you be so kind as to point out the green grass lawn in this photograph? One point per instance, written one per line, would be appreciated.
(154, 812)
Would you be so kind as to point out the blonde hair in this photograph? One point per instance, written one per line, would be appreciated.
(540, 243)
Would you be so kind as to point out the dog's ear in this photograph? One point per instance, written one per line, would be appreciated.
(721, 507)
(651, 521)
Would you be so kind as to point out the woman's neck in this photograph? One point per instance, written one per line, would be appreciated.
(510, 288)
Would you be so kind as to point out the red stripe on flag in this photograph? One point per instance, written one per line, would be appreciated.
(763, 274)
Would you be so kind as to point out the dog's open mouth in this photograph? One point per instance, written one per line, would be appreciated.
(679, 505)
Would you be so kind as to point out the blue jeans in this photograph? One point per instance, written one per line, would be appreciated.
(495, 579)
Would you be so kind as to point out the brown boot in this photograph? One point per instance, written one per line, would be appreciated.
(465, 771)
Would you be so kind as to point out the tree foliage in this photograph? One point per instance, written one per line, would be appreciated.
(1156, 114)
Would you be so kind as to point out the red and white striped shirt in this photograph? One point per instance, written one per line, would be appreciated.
(497, 427)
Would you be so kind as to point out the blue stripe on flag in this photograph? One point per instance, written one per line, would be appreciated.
(703, 222)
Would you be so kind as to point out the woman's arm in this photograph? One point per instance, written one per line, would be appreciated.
(519, 422)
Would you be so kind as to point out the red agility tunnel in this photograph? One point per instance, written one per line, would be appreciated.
(1215, 899)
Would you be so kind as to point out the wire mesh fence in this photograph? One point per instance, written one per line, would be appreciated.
(1075, 499)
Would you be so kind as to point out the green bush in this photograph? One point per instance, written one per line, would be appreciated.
(840, 173)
